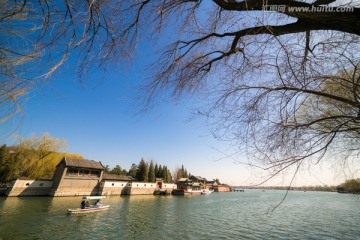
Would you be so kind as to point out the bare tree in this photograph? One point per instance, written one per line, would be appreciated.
(283, 83)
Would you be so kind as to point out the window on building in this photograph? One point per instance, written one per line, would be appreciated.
(74, 172)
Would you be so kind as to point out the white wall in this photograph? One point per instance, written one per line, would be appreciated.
(113, 184)
(31, 183)
(143, 184)
(152, 185)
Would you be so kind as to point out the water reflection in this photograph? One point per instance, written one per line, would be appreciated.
(217, 216)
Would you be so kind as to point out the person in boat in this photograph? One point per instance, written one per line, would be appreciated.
(83, 204)
(97, 204)
(87, 204)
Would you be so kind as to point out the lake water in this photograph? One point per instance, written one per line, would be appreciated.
(246, 215)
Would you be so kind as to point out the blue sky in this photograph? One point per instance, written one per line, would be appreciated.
(100, 120)
(99, 117)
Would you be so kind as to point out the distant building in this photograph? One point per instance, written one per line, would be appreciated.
(222, 188)
(184, 183)
(192, 185)
(76, 177)
(198, 179)
(212, 184)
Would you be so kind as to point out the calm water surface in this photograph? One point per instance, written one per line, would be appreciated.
(303, 215)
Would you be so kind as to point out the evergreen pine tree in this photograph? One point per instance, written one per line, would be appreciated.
(186, 175)
(142, 171)
(151, 177)
(117, 170)
(160, 172)
(164, 174)
(133, 170)
(156, 170)
(169, 177)
(146, 172)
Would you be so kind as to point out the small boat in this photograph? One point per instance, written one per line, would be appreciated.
(206, 191)
(188, 191)
(86, 207)
(181, 192)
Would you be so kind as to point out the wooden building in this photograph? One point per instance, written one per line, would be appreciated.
(198, 179)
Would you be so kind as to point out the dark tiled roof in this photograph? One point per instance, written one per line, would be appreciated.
(184, 180)
(198, 178)
(71, 162)
(107, 176)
